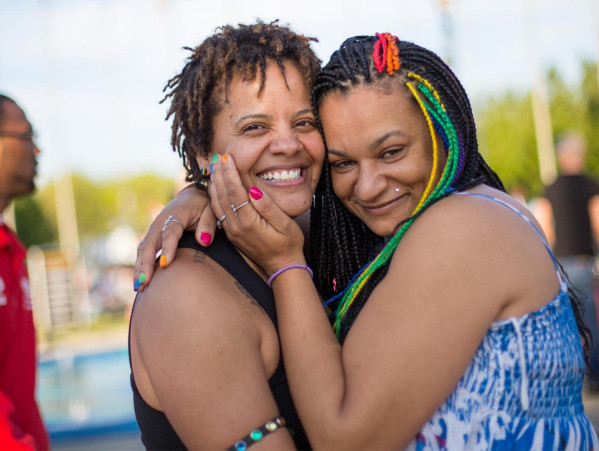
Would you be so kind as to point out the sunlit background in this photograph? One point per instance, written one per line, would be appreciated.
(89, 74)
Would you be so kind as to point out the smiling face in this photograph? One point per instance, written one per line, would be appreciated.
(380, 151)
(272, 137)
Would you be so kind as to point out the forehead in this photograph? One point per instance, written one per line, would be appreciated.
(366, 109)
(277, 85)
(13, 117)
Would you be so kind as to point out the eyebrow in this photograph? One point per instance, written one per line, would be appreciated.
(302, 112)
(376, 143)
(266, 116)
(384, 138)
(252, 116)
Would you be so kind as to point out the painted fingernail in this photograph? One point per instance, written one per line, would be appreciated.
(225, 158)
(211, 168)
(162, 261)
(205, 238)
(142, 277)
(136, 285)
(256, 193)
(215, 158)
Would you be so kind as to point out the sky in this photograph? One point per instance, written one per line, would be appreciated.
(89, 73)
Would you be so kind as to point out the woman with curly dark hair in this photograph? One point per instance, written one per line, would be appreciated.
(207, 371)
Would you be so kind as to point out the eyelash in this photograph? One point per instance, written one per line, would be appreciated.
(301, 123)
(252, 128)
(305, 123)
(344, 164)
(392, 152)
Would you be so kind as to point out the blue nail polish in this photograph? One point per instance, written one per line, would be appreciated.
(211, 168)
(136, 285)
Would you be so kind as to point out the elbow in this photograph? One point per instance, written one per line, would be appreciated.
(342, 436)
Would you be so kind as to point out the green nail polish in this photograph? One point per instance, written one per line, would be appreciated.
(215, 158)
(142, 277)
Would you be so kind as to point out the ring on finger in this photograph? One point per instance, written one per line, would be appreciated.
(219, 223)
(171, 219)
(234, 208)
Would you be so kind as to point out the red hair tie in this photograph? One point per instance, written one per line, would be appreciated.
(385, 53)
(380, 60)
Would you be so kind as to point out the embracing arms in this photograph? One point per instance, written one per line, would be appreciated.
(422, 324)
(202, 351)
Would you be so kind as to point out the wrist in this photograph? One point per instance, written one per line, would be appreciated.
(280, 271)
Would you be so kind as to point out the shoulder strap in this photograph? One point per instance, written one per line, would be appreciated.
(523, 216)
(226, 255)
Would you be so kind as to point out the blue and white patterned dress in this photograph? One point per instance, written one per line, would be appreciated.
(522, 390)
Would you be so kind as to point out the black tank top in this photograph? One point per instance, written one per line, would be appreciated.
(156, 430)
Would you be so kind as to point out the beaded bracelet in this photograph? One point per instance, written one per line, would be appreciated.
(285, 268)
(258, 434)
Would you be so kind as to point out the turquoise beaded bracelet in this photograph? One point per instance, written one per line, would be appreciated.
(258, 434)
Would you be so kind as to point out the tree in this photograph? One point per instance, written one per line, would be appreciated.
(33, 227)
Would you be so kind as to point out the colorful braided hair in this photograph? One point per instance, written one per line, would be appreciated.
(345, 252)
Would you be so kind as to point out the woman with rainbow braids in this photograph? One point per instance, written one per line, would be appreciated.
(453, 325)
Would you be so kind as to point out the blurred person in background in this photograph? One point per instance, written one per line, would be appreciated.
(569, 215)
(21, 425)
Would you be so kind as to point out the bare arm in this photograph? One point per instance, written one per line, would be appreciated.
(594, 215)
(544, 214)
(192, 208)
(200, 356)
(412, 341)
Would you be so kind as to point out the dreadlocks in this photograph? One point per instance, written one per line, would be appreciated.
(199, 91)
(349, 259)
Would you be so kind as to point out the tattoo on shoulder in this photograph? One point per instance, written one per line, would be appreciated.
(247, 294)
(199, 257)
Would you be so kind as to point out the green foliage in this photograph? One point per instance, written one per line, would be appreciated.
(507, 140)
(100, 207)
(506, 128)
(33, 226)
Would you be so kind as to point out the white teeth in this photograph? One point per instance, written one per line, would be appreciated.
(285, 176)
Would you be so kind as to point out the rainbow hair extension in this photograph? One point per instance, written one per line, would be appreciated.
(385, 53)
(438, 120)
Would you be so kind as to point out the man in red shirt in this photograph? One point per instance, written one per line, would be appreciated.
(21, 425)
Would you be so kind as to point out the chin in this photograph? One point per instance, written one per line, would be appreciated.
(293, 206)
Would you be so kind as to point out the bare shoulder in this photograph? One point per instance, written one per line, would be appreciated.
(471, 219)
(478, 242)
(193, 297)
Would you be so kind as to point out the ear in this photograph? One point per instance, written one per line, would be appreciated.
(204, 160)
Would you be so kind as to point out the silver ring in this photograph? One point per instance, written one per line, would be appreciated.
(234, 208)
(140, 243)
(171, 219)
(219, 223)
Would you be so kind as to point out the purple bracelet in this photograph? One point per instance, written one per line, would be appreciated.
(272, 278)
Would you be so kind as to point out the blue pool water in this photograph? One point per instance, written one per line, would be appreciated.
(86, 394)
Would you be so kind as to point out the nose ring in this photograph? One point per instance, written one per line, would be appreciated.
(397, 190)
